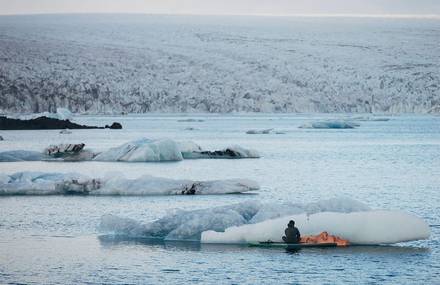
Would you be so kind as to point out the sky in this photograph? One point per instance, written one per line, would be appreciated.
(229, 7)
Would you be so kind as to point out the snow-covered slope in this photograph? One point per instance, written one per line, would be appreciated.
(115, 63)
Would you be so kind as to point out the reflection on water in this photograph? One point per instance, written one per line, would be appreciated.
(120, 241)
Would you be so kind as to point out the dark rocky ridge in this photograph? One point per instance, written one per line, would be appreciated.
(45, 123)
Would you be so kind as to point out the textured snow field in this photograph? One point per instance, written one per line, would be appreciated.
(392, 165)
(136, 63)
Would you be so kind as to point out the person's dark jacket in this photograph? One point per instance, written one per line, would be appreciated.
(292, 235)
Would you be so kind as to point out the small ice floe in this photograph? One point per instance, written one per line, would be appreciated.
(232, 152)
(370, 119)
(65, 132)
(330, 125)
(40, 183)
(264, 132)
(190, 121)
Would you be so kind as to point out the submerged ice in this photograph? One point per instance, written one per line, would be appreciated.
(40, 183)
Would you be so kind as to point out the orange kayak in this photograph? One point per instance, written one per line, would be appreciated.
(324, 238)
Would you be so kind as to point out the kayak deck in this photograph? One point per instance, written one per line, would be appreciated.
(292, 245)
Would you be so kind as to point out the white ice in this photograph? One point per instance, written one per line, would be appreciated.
(143, 150)
(370, 227)
(189, 225)
(61, 114)
(40, 183)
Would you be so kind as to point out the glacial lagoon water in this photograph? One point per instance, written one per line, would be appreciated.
(391, 164)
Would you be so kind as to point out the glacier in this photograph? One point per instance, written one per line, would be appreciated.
(218, 64)
(41, 183)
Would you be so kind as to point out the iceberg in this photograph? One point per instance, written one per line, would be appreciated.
(362, 228)
(41, 183)
(143, 150)
(330, 125)
(189, 225)
(264, 132)
(231, 152)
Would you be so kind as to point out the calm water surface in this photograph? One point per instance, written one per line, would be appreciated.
(387, 165)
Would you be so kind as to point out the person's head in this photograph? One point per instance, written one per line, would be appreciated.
(291, 223)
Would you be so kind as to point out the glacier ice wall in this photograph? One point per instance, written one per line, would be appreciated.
(205, 64)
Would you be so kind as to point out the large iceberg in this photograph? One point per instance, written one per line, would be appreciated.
(189, 225)
(40, 183)
(371, 227)
(256, 221)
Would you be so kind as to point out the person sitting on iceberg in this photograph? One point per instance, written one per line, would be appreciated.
(292, 233)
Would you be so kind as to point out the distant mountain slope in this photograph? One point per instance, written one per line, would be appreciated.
(116, 63)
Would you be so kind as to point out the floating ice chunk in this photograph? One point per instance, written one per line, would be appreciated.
(371, 227)
(143, 150)
(330, 125)
(232, 152)
(184, 225)
(264, 132)
(65, 132)
(39, 183)
(371, 119)
(190, 121)
(21, 155)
